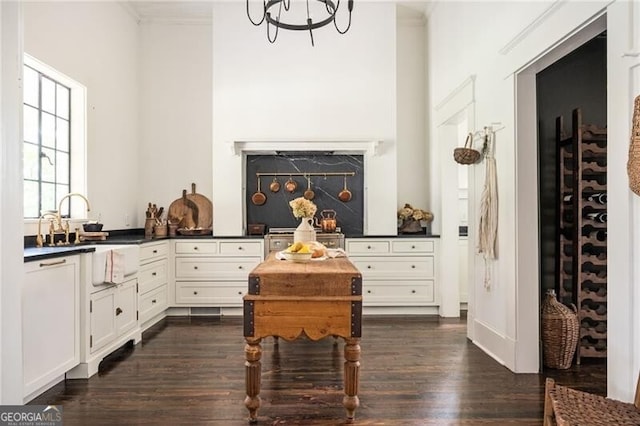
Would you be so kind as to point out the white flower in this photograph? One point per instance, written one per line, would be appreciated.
(301, 207)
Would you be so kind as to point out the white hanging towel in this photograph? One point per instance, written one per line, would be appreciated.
(488, 226)
(114, 267)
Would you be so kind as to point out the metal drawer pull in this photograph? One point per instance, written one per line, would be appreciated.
(368, 266)
(155, 251)
(195, 292)
(240, 248)
(195, 267)
(413, 291)
(413, 266)
(240, 267)
(240, 293)
(413, 247)
(59, 262)
(368, 247)
(369, 291)
(154, 274)
(118, 311)
(331, 243)
(195, 248)
(153, 301)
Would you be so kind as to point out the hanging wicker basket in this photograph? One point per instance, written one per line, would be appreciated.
(633, 164)
(560, 329)
(466, 155)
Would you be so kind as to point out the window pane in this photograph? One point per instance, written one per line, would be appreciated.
(31, 199)
(47, 163)
(30, 86)
(48, 95)
(48, 196)
(48, 130)
(62, 132)
(62, 168)
(30, 124)
(61, 191)
(62, 100)
(31, 161)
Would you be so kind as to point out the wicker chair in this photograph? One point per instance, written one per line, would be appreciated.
(564, 406)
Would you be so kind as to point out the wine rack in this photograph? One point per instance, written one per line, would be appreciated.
(582, 230)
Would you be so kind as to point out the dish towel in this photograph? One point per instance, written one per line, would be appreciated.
(114, 267)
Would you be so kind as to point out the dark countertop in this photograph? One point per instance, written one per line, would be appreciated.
(39, 253)
(395, 236)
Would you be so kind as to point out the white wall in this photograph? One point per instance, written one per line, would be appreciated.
(11, 271)
(343, 89)
(175, 112)
(413, 165)
(460, 44)
(96, 44)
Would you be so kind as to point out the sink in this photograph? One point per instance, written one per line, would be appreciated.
(131, 253)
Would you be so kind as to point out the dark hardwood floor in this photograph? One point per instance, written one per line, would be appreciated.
(415, 371)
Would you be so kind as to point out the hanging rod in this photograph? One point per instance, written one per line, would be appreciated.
(306, 174)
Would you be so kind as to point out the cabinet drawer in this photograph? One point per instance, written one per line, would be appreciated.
(368, 247)
(152, 275)
(412, 246)
(153, 250)
(392, 267)
(196, 247)
(210, 293)
(213, 268)
(406, 293)
(152, 303)
(241, 248)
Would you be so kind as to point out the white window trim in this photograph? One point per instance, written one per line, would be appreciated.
(78, 134)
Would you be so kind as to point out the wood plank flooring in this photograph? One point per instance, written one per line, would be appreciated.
(415, 371)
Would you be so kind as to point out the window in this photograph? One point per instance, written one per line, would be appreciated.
(53, 130)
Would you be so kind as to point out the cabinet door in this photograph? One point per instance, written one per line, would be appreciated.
(103, 320)
(50, 321)
(126, 306)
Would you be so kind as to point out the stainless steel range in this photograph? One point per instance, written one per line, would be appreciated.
(280, 238)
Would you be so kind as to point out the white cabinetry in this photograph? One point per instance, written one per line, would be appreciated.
(214, 272)
(153, 288)
(109, 314)
(396, 271)
(50, 322)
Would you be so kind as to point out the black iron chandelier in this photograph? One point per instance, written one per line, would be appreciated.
(274, 20)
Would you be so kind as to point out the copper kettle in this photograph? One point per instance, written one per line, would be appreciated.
(327, 220)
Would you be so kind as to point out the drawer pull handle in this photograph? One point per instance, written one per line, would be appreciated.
(240, 248)
(59, 262)
(195, 267)
(118, 311)
(369, 291)
(368, 247)
(154, 274)
(413, 266)
(413, 291)
(240, 293)
(240, 267)
(195, 292)
(412, 247)
(195, 248)
(155, 251)
(368, 266)
(331, 243)
(153, 301)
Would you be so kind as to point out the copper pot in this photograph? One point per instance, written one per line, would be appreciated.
(309, 194)
(258, 198)
(275, 185)
(291, 185)
(345, 194)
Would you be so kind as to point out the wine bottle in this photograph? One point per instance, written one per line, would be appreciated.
(596, 197)
(591, 231)
(593, 249)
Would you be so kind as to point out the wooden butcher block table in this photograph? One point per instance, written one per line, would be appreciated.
(316, 298)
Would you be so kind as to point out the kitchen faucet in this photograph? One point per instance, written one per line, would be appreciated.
(55, 224)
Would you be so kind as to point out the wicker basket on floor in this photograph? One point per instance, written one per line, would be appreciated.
(560, 329)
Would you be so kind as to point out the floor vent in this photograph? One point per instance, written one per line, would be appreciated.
(205, 311)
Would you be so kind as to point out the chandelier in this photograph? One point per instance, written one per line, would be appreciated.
(328, 8)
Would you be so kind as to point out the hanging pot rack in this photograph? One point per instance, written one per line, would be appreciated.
(305, 174)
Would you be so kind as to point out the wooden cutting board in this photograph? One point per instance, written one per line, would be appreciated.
(191, 210)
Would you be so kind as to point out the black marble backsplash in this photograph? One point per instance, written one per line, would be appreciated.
(276, 212)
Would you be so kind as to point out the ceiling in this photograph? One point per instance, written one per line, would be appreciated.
(193, 10)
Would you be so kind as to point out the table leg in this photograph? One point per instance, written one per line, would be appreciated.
(351, 377)
(253, 367)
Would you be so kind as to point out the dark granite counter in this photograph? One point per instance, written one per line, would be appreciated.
(395, 236)
(40, 253)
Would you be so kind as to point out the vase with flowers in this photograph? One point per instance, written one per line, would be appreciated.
(304, 210)
(410, 219)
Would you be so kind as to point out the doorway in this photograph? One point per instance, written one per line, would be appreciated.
(534, 253)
